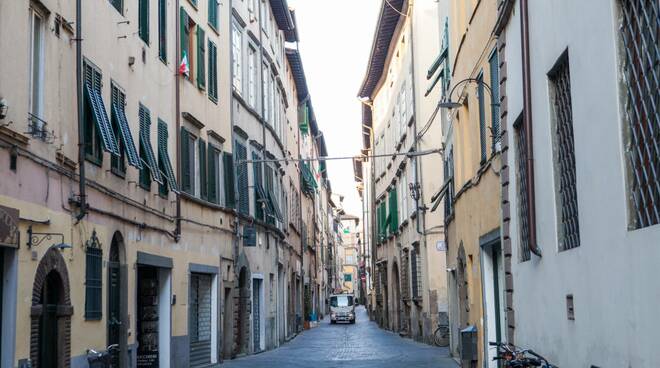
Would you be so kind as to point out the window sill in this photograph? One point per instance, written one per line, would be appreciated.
(214, 28)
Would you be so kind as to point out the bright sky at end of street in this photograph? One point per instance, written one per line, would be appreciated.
(335, 41)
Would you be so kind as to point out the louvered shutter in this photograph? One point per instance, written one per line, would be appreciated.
(164, 157)
(183, 34)
(143, 27)
(228, 170)
(145, 137)
(213, 13)
(242, 174)
(212, 173)
(203, 193)
(394, 212)
(259, 199)
(213, 72)
(186, 184)
(201, 58)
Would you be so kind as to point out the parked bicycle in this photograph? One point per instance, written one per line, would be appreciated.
(102, 359)
(441, 335)
(513, 357)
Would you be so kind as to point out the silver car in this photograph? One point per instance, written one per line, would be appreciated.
(342, 308)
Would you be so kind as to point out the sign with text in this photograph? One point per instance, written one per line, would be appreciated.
(9, 227)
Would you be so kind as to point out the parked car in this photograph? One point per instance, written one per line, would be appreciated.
(342, 308)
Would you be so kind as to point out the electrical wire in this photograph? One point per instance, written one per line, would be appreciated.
(395, 9)
(408, 154)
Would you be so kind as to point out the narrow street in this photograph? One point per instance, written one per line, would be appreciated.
(362, 345)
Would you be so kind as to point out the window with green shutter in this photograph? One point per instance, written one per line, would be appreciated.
(117, 100)
(183, 34)
(240, 156)
(149, 164)
(187, 161)
(118, 4)
(143, 21)
(213, 14)
(213, 174)
(213, 72)
(162, 30)
(203, 192)
(495, 100)
(98, 132)
(93, 283)
(482, 117)
(394, 212)
(259, 193)
(164, 163)
(228, 171)
(201, 58)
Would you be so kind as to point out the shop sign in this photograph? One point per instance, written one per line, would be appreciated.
(9, 227)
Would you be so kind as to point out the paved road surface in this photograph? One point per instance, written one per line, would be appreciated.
(362, 345)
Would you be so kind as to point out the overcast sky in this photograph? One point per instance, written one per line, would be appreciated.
(335, 41)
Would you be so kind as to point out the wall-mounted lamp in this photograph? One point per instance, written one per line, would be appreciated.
(4, 108)
(449, 104)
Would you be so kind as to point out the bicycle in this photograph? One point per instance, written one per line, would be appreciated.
(441, 335)
(512, 357)
(102, 359)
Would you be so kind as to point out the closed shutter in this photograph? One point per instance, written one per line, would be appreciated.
(201, 58)
(213, 13)
(212, 173)
(203, 192)
(143, 27)
(93, 283)
(186, 183)
(213, 72)
(242, 179)
(394, 212)
(495, 99)
(259, 194)
(482, 118)
(228, 169)
(162, 29)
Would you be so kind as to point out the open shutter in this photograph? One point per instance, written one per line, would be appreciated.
(145, 138)
(183, 34)
(144, 20)
(163, 154)
(126, 136)
(202, 169)
(186, 184)
(201, 58)
(101, 120)
(228, 169)
(212, 173)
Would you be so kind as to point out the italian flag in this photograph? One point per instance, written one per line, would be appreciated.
(184, 69)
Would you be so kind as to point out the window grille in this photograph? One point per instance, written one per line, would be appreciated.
(405, 275)
(523, 204)
(416, 273)
(569, 225)
(640, 29)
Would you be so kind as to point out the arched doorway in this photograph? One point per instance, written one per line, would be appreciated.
(50, 332)
(396, 299)
(117, 303)
(242, 328)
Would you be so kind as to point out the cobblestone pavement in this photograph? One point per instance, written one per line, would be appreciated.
(362, 345)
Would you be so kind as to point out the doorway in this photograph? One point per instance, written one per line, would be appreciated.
(227, 325)
(154, 316)
(51, 297)
(396, 299)
(117, 304)
(493, 294)
(258, 331)
(241, 322)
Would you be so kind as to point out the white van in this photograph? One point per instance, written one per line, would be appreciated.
(342, 308)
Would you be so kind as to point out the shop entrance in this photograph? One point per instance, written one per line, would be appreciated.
(153, 317)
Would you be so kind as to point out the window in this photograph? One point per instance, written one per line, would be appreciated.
(495, 101)
(394, 212)
(240, 156)
(416, 272)
(162, 30)
(228, 171)
(521, 182)
(98, 132)
(143, 21)
(252, 77)
(214, 173)
(187, 42)
(118, 4)
(36, 68)
(482, 117)
(349, 260)
(259, 193)
(213, 14)
(117, 101)
(213, 72)
(201, 58)
(449, 175)
(93, 282)
(149, 169)
(188, 162)
(265, 90)
(236, 56)
(564, 152)
(164, 163)
(641, 76)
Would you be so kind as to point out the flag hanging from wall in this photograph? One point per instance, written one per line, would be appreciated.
(184, 69)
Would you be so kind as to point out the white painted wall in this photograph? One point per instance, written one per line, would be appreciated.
(613, 274)
(164, 317)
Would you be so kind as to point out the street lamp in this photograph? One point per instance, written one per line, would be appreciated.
(449, 104)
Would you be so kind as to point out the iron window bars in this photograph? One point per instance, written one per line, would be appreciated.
(640, 28)
(569, 224)
(523, 204)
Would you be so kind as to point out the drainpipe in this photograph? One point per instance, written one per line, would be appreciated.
(79, 101)
(177, 112)
(527, 123)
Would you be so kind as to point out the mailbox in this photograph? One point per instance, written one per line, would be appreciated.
(469, 343)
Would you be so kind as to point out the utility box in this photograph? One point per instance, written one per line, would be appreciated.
(469, 343)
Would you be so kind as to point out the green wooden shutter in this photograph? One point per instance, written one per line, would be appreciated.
(213, 13)
(213, 72)
(228, 168)
(258, 188)
(394, 212)
(93, 283)
(212, 173)
(183, 34)
(186, 184)
(203, 193)
(143, 13)
(201, 58)
(162, 29)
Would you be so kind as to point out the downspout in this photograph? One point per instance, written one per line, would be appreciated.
(177, 111)
(79, 100)
(527, 123)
